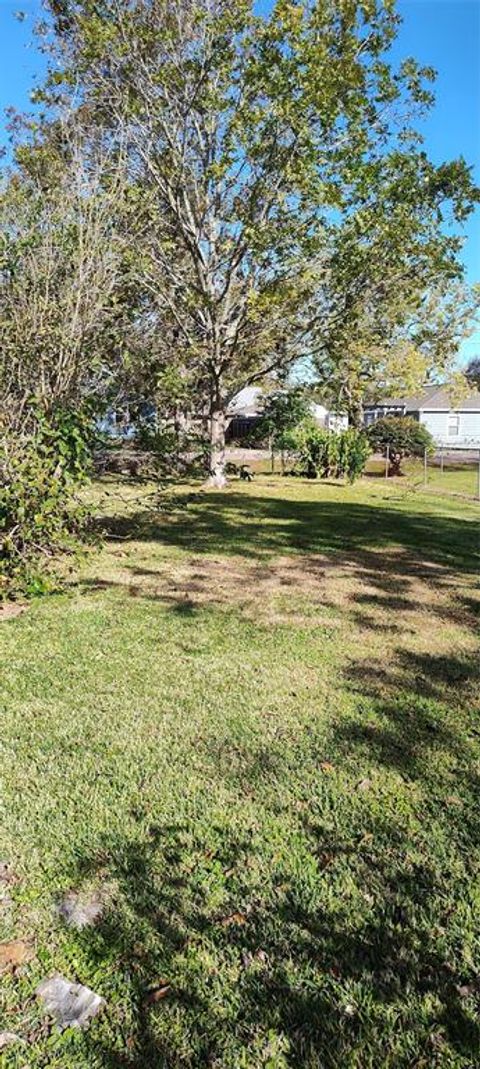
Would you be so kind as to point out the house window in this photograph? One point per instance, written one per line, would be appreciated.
(453, 425)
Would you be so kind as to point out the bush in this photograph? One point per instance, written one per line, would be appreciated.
(39, 514)
(403, 436)
(329, 454)
(174, 453)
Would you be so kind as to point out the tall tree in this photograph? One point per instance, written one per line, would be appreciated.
(396, 307)
(253, 141)
(60, 264)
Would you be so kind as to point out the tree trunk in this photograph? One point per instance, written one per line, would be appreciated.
(217, 447)
(355, 415)
(272, 455)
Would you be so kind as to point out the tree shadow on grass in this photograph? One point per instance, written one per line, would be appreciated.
(421, 717)
(313, 984)
(329, 964)
(335, 962)
(398, 560)
(257, 526)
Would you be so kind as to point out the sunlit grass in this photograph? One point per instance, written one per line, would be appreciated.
(253, 716)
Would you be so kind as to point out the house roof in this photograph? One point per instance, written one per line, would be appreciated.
(246, 402)
(436, 398)
(387, 402)
(431, 399)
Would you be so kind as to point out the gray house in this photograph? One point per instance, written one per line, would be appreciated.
(454, 427)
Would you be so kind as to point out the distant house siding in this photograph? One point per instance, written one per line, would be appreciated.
(436, 423)
(336, 423)
(470, 425)
(450, 428)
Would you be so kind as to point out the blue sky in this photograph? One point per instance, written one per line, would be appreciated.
(444, 34)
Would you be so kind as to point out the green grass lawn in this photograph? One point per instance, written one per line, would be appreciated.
(252, 721)
(458, 476)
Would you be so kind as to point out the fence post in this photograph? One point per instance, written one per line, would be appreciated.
(387, 461)
(272, 456)
(425, 468)
(441, 460)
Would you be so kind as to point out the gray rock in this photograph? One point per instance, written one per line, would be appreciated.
(72, 1005)
(7, 1039)
(80, 909)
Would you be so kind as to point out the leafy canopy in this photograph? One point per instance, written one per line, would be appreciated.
(402, 436)
(274, 168)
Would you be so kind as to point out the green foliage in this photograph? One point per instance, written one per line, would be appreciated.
(403, 436)
(173, 452)
(330, 454)
(283, 410)
(60, 258)
(278, 190)
(354, 451)
(39, 514)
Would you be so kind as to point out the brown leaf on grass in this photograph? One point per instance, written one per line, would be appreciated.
(7, 1039)
(10, 609)
(234, 918)
(155, 994)
(465, 990)
(326, 766)
(14, 953)
(364, 785)
(6, 873)
(437, 1040)
(249, 959)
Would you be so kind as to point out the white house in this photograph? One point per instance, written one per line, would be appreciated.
(246, 408)
(454, 427)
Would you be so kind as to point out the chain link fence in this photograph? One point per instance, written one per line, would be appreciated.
(447, 471)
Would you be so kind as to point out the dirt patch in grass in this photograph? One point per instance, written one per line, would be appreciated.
(384, 591)
(11, 609)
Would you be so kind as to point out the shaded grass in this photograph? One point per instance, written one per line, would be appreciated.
(255, 718)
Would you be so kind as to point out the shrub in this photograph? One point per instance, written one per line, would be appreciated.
(403, 436)
(173, 453)
(354, 451)
(39, 514)
(329, 454)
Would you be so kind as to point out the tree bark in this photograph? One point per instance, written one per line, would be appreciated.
(217, 447)
(356, 415)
